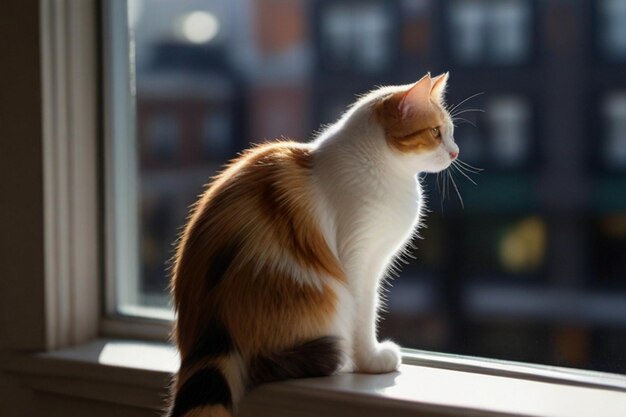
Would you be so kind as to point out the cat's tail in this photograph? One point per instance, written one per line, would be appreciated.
(213, 387)
(318, 357)
(208, 388)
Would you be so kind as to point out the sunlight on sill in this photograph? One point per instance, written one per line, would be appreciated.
(153, 313)
(157, 357)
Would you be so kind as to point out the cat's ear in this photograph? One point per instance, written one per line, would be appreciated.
(417, 98)
(439, 87)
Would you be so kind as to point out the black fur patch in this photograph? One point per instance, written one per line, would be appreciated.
(206, 387)
(215, 341)
(319, 357)
(221, 261)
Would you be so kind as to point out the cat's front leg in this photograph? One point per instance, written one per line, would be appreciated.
(370, 356)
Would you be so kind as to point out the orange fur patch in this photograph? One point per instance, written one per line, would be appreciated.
(412, 134)
(209, 411)
(272, 312)
(256, 216)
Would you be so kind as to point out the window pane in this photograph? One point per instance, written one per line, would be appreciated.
(355, 36)
(614, 144)
(487, 31)
(612, 27)
(510, 130)
(529, 268)
(468, 22)
(510, 31)
(609, 234)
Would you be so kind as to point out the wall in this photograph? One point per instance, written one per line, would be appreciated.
(21, 196)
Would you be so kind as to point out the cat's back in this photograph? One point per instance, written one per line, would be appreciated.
(250, 200)
(287, 164)
(256, 224)
(264, 185)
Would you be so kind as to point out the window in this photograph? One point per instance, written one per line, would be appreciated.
(503, 140)
(510, 125)
(614, 143)
(612, 26)
(609, 240)
(162, 137)
(356, 36)
(50, 360)
(515, 274)
(490, 32)
(214, 132)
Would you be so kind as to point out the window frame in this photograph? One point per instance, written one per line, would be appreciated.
(72, 283)
(69, 71)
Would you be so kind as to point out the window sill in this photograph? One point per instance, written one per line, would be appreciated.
(136, 374)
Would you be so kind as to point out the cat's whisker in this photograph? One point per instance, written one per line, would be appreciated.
(456, 106)
(463, 173)
(457, 190)
(437, 182)
(466, 111)
(463, 120)
(443, 188)
(442, 192)
(467, 169)
(465, 164)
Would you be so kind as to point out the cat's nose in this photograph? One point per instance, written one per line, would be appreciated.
(454, 154)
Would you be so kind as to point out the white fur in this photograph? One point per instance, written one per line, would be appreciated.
(234, 371)
(369, 208)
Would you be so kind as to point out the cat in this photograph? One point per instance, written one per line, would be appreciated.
(277, 272)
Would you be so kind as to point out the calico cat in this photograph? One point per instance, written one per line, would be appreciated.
(277, 273)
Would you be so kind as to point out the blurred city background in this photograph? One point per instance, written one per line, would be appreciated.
(533, 268)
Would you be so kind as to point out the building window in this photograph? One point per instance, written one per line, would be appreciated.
(609, 242)
(162, 137)
(490, 32)
(511, 247)
(502, 138)
(356, 36)
(471, 140)
(612, 29)
(216, 134)
(613, 152)
(510, 129)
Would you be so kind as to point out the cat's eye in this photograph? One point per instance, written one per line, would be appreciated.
(435, 131)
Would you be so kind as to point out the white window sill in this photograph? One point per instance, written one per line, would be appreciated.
(136, 374)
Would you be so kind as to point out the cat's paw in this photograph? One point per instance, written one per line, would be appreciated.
(382, 358)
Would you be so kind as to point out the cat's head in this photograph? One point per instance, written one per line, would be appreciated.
(417, 127)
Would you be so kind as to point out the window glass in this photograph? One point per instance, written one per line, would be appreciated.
(486, 31)
(528, 267)
(356, 36)
(612, 26)
(609, 242)
(215, 132)
(505, 246)
(503, 140)
(468, 26)
(614, 144)
(510, 126)
(162, 137)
